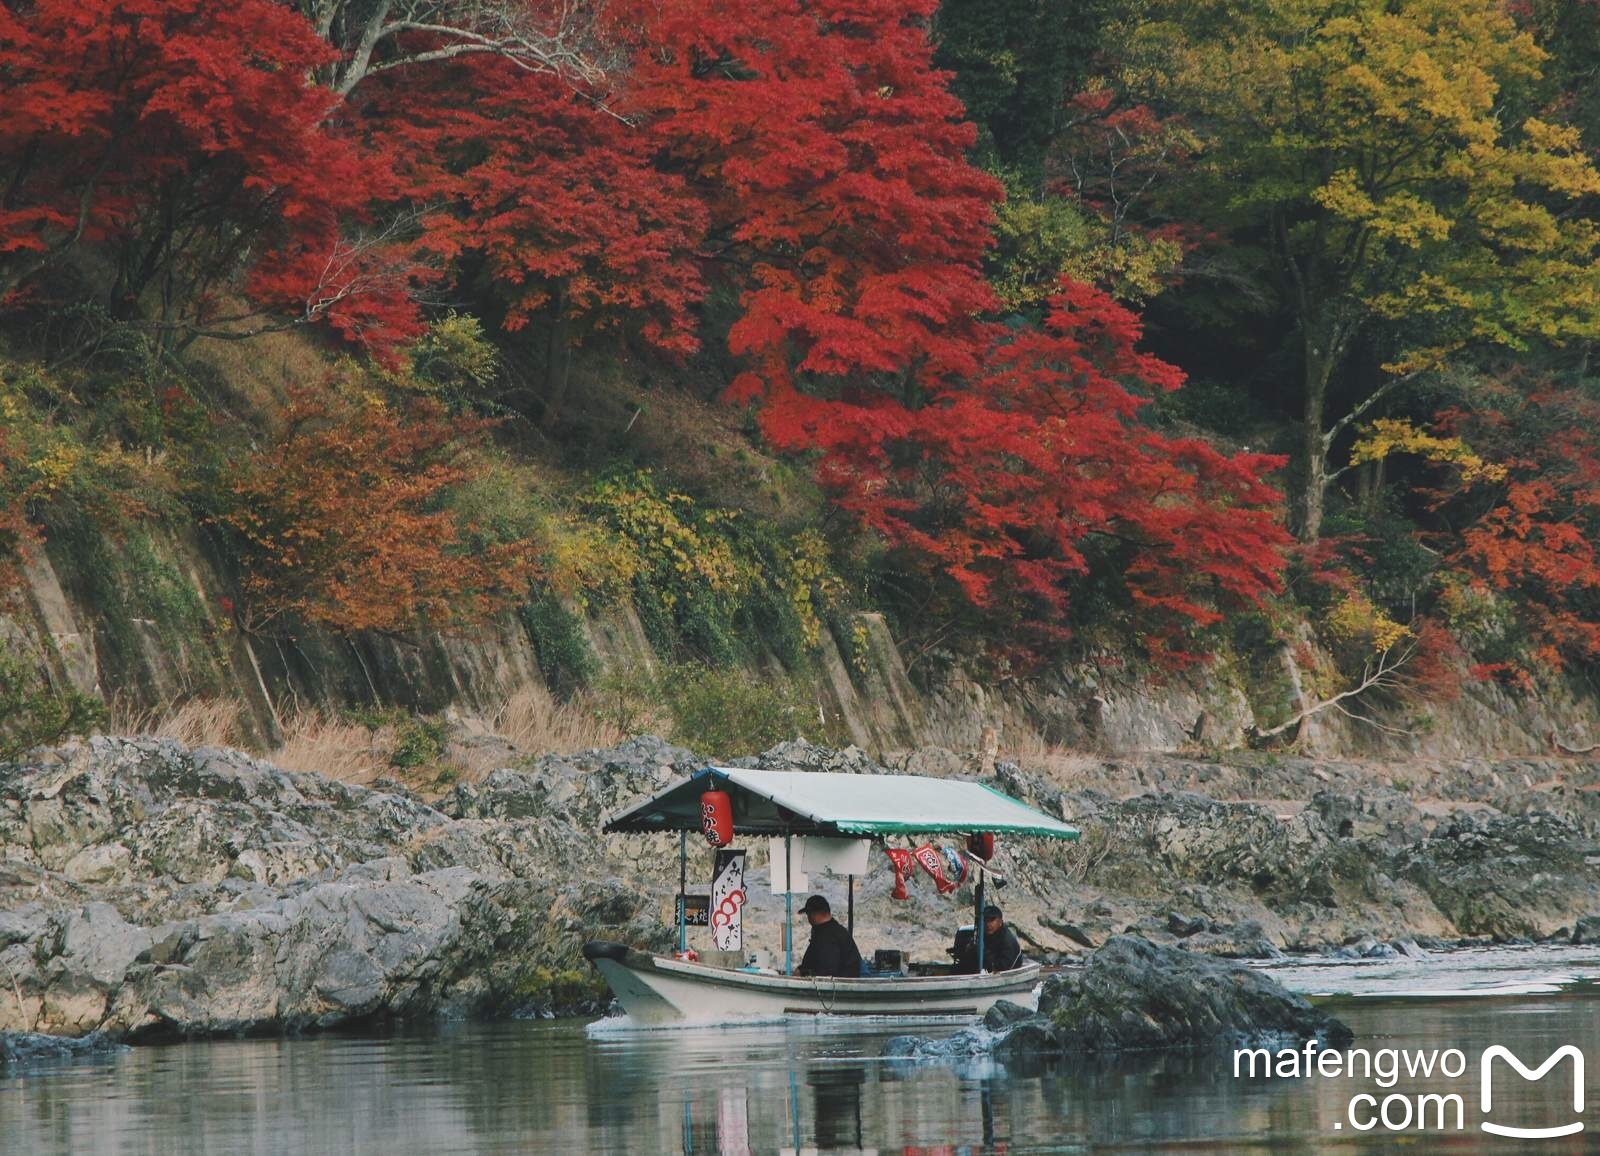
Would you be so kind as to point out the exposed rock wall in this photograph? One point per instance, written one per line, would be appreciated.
(150, 890)
(148, 621)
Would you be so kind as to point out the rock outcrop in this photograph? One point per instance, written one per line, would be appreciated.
(149, 890)
(1133, 995)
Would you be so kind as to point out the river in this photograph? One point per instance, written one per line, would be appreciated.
(561, 1087)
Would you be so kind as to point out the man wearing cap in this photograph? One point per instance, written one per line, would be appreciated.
(1001, 951)
(831, 951)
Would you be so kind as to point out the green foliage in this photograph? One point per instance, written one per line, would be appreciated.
(455, 357)
(1392, 158)
(1041, 238)
(714, 584)
(66, 455)
(719, 713)
(543, 987)
(421, 742)
(1397, 569)
(35, 713)
(1015, 63)
(565, 659)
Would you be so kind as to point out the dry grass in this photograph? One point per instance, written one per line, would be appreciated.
(259, 372)
(535, 723)
(1059, 764)
(202, 722)
(320, 744)
(529, 723)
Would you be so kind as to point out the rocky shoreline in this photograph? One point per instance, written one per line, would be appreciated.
(148, 891)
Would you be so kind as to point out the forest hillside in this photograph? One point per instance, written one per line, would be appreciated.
(391, 377)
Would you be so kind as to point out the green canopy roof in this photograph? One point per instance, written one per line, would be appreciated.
(824, 803)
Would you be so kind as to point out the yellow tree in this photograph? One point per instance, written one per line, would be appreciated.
(1388, 154)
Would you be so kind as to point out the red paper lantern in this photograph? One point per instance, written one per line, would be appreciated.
(981, 845)
(716, 817)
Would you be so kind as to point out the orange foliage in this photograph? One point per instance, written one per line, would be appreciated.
(1535, 536)
(342, 525)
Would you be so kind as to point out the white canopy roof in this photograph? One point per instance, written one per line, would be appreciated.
(825, 803)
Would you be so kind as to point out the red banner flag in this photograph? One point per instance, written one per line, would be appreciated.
(901, 858)
(933, 863)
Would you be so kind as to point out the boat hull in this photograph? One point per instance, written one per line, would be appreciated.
(656, 990)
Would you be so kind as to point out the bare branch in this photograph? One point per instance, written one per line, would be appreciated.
(1382, 675)
(556, 37)
(1372, 399)
(1563, 748)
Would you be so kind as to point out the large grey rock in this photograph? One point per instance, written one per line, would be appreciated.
(1503, 876)
(25, 1048)
(1133, 995)
(1586, 930)
(150, 890)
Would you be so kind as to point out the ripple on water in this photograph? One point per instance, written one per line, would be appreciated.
(1457, 973)
(815, 1083)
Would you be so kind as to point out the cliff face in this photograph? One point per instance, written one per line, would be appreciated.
(147, 621)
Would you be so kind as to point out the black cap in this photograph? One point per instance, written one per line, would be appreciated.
(815, 903)
(991, 912)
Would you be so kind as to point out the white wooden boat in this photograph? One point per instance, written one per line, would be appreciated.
(798, 806)
(657, 990)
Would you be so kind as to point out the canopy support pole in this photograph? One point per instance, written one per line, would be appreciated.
(683, 891)
(788, 907)
(850, 908)
(977, 917)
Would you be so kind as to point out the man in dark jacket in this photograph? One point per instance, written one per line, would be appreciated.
(1001, 951)
(831, 951)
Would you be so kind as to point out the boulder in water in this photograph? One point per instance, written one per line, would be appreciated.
(1133, 995)
(17, 1048)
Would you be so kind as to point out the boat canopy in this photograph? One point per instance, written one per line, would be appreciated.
(829, 804)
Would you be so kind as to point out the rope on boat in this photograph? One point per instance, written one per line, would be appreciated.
(825, 1000)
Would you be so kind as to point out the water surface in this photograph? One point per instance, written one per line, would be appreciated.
(817, 1085)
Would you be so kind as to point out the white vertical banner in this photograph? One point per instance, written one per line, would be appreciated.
(727, 901)
(781, 883)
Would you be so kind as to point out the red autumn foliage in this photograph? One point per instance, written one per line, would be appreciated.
(1534, 536)
(1005, 481)
(1117, 158)
(340, 521)
(805, 153)
(183, 139)
(555, 195)
(831, 157)
(1435, 669)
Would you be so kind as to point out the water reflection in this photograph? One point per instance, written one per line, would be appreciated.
(836, 1105)
(813, 1087)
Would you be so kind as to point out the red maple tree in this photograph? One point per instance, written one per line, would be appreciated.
(1005, 481)
(185, 142)
(831, 157)
(340, 520)
(550, 192)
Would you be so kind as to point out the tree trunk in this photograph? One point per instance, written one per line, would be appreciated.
(558, 362)
(1319, 367)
